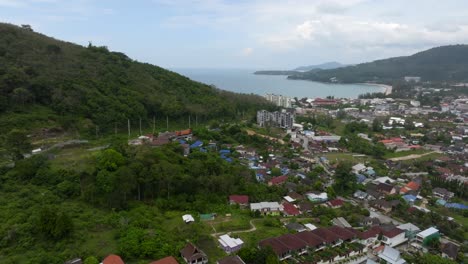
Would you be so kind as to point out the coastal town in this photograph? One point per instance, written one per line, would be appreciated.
(377, 179)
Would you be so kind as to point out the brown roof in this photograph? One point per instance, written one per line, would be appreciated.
(278, 247)
(327, 236)
(372, 232)
(191, 252)
(239, 199)
(166, 260)
(341, 232)
(231, 260)
(310, 238)
(384, 187)
(113, 259)
(292, 242)
(392, 232)
(450, 249)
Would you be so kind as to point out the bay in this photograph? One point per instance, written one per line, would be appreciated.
(244, 81)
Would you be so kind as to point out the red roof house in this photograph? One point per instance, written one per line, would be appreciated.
(239, 199)
(166, 260)
(113, 259)
(290, 210)
(278, 180)
(336, 203)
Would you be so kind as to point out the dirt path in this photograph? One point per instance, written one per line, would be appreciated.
(252, 229)
(413, 156)
(251, 132)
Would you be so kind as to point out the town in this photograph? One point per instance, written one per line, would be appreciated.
(378, 179)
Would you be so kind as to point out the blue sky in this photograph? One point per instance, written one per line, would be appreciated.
(257, 34)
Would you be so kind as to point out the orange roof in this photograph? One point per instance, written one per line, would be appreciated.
(113, 259)
(166, 260)
(412, 185)
(183, 132)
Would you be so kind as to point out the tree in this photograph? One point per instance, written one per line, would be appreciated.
(345, 181)
(91, 260)
(17, 143)
(53, 225)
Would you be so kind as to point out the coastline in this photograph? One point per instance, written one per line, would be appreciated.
(386, 89)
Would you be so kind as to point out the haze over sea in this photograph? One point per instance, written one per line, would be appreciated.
(244, 81)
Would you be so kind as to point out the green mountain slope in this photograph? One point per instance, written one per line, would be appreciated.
(85, 87)
(446, 63)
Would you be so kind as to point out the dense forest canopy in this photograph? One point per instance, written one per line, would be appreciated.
(87, 87)
(446, 63)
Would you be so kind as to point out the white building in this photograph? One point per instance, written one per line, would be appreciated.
(391, 256)
(279, 100)
(229, 244)
(412, 78)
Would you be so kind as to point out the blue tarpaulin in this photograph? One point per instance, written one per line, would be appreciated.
(197, 144)
(456, 206)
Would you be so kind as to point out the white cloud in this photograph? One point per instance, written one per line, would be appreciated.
(247, 52)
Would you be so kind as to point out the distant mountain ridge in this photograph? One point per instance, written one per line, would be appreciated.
(445, 63)
(323, 66)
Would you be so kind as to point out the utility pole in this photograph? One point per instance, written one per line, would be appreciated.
(128, 120)
(140, 127)
(154, 124)
(167, 123)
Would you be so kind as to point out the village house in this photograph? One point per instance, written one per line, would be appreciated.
(442, 193)
(290, 209)
(229, 244)
(278, 180)
(113, 259)
(192, 255)
(393, 237)
(166, 260)
(241, 200)
(335, 203)
(391, 256)
(450, 250)
(267, 208)
(370, 237)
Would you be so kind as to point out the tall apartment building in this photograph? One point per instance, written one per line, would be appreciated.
(279, 100)
(281, 119)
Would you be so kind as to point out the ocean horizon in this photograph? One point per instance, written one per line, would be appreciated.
(245, 81)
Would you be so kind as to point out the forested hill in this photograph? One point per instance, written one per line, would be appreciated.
(71, 85)
(446, 63)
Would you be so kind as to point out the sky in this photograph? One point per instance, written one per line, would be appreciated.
(254, 34)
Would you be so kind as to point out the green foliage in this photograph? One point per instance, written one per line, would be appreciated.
(264, 255)
(17, 143)
(53, 225)
(345, 180)
(91, 260)
(429, 259)
(446, 63)
(93, 89)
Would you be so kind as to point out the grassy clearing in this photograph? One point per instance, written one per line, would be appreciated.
(336, 156)
(405, 153)
(251, 239)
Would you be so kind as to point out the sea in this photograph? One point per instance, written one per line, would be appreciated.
(244, 81)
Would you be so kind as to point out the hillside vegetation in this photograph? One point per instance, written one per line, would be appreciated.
(45, 82)
(446, 63)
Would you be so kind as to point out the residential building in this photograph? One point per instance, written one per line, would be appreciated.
(391, 256)
(450, 250)
(267, 208)
(443, 193)
(193, 255)
(166, 260)
(282, 119)
(410, 230)
(425, 236)
(113, 259)
(229, 244)
(393, 237)
(241, 200)
(290, 209)
(279, 100)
